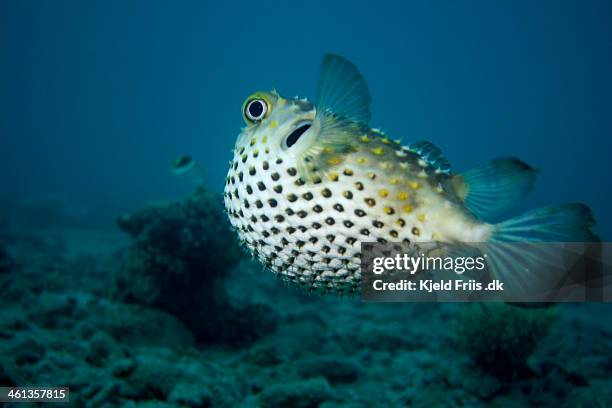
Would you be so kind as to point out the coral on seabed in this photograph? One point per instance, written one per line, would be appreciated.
(6, 261)
(499, 338)
(182, 253)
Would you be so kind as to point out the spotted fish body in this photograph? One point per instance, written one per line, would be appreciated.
(303, 201)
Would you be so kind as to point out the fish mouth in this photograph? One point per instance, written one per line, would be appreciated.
(295, 135)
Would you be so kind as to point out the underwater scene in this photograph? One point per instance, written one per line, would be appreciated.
(189, 191)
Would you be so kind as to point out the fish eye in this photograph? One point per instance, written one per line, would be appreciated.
(256, 109)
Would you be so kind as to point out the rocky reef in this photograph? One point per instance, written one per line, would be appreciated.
(182, 254)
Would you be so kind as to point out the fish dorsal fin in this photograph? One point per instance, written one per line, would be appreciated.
(491, 189)
(342, 91)
(432, 155)
(343, 113)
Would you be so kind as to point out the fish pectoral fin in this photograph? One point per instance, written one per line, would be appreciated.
(343, 113)
(492, 188)
(431, 154)
(342, 91)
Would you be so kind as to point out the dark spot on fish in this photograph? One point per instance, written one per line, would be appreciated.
(316, 225)
(299, 182)
(359, 213)
(252, 171)
(291, 171)
(377, 224)
(272, 202)
(329, 221)
(279, 218)
(275, 176)
(266, 165)
(261, 186)
(338, 207)
(274, 230)
(278, 189)
(258, 204)
(291, 197)
(317, 208)
(416, 231)
(290, 230)
(240, 176)
(331, 238)
(302, 214)
(249, 189)
(359, 185)
(365, 231)
(347, 194)
(394, 233)
(326, 193)
(264, 218)
(370, 202)
(307, 196)
(348, 224)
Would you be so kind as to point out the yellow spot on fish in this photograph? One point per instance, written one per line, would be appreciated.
(264, 139)
(389, 210)
(348, 172)
(365, 139)
(415, 185)
(378, 151)
(435, 236)
(385, 140)
(421, 217)
(394, 180)
(386, 165)
(333, 161)
(398, 141)
(402, 195)
(403, 166)
(383, 192)
(371, 175)
(329, 149)
(362, 160)
(333, 176)
(273, 124)
(422, 174)
(407, 208)
(253, 141)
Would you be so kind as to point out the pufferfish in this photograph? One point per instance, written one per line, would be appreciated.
(309, 183)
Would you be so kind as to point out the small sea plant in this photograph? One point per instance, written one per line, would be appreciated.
(499, 338)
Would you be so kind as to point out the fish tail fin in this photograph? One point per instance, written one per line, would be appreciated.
(555, 223)
(517, 255)
(490, 189)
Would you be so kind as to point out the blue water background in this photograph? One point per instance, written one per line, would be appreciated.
(97, 97)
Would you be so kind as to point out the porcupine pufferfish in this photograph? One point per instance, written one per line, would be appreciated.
(309, 183)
